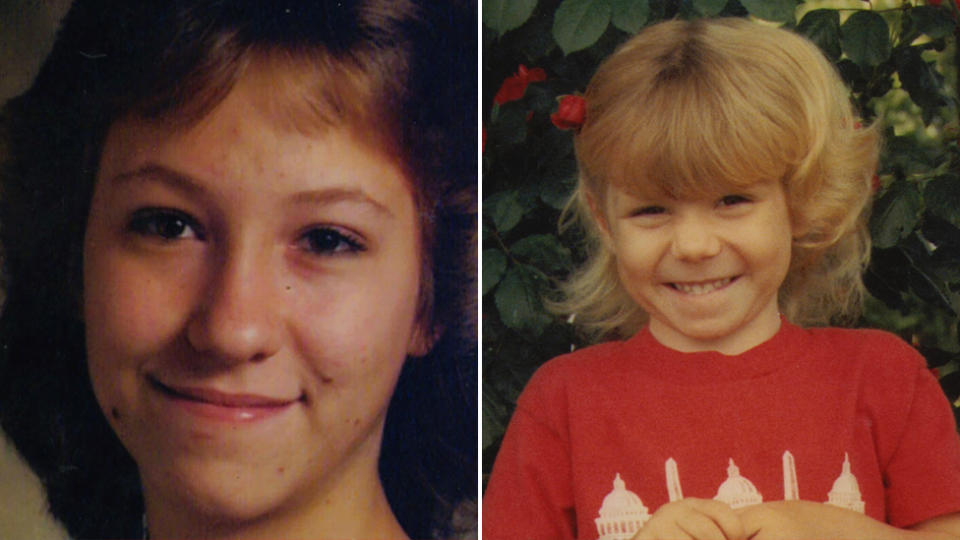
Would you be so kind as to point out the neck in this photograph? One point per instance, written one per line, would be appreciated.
(326, 521)
(350, 504)
(760, 329)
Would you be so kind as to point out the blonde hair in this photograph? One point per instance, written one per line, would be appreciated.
(686, 106)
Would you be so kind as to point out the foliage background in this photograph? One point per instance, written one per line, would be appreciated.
(898, 57)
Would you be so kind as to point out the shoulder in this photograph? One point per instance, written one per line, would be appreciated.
(576, 365)
(566, 373)
(878, 348)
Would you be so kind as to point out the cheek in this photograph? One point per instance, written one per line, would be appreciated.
(354, 331)
(778, 249)
(636, 263)
(128, 312)
(360, 319)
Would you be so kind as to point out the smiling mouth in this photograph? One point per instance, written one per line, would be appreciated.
(218, 398)
(702, 287)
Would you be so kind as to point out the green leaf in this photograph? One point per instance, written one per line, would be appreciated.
(534, 39)
(494, 265)
(919, 78)
(822, 26)
(772, 10)
(505, 15)
(942, 195)
(896, 214)
(556, 192)
(631, 15)
(509, 126)
(518, 300)
(933, 21)
(709, 8)
(578, 24)
(505, 210)
(865, 38)
(543, 251)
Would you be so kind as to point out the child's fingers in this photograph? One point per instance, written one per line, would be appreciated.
(702, 527)
(700, 519)
(723, 517)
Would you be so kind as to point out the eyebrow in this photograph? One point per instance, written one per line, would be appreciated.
(164, 175)
(186, 183)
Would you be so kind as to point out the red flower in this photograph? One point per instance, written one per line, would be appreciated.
(515, 86)
(570, 113)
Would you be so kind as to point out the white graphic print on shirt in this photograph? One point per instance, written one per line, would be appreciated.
(622, 513)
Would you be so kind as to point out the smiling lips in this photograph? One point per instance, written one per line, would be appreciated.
(702, 287)
(219, 405)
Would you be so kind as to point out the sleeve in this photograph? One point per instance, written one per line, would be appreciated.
(922, 476)
(529, 494)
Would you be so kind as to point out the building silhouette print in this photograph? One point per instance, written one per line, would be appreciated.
(736, 490)
(791, 491)
(846, 490)
(623, 514)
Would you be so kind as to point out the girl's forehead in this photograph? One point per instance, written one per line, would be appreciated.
(293, 95)
(653, 187)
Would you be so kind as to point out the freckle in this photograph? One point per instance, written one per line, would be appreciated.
(356, 421)
(281, 470)
(289, 287)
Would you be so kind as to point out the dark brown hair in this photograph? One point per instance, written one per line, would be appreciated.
(402, 75)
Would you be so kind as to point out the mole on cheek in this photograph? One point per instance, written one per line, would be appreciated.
(115, 413)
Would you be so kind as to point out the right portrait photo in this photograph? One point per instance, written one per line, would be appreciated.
(720, 269)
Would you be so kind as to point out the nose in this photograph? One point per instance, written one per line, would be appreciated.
(695, 238)
(235, 320)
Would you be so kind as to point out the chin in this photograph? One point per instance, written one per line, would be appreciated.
(224, 492)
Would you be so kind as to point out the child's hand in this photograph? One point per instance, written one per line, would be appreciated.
(798, 520)
(696, 519)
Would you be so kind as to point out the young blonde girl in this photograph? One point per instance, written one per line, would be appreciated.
(724, 181)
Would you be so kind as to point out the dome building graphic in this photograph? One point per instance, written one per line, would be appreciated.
(736, 490)
(846, 490)
(622, 513)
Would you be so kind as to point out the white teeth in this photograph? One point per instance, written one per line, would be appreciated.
(701, 288)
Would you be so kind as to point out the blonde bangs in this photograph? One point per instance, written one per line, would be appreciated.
(697, 109)
(685, 142)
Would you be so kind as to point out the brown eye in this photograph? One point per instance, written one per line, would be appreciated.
(329, 240)
(649, 211)
(732, 200)
(163, 223)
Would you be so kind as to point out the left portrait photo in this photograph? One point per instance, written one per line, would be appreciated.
(239, 269)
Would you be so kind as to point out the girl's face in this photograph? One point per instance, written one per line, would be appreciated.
(707, 269)
(250, 295)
